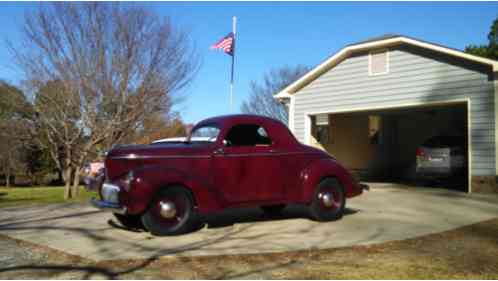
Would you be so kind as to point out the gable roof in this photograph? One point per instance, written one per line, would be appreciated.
(378, 38)
(387, 40)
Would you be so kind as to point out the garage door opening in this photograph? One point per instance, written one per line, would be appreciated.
(422, 146)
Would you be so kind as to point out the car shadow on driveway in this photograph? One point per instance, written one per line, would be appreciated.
(230, 217)
(248, 215)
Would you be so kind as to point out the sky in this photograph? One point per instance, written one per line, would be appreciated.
(275, 34)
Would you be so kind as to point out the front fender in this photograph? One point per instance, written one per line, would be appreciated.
(323, 168)
(149, 180)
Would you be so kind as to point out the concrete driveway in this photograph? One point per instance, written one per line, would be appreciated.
(388, 212)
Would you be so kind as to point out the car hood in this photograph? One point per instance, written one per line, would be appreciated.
(158, 150)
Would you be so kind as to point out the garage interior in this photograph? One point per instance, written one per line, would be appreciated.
(381, 145)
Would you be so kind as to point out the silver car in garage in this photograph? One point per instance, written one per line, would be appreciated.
(442, 157)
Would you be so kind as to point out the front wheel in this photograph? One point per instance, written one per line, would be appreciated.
(328, 201)
(171, 213)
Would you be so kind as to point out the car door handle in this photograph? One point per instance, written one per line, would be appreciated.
(219, 151)
(273, 151)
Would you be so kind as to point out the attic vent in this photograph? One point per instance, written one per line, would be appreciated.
(378, 62)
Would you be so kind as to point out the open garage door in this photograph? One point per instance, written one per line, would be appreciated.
(418, 145)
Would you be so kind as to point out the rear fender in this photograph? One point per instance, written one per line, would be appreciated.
(318, 170)
(149, 180)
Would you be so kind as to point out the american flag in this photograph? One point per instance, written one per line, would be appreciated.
(227, 44)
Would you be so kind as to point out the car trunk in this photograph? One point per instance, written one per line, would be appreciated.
(434, 160)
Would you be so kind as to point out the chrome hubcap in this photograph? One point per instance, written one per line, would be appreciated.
(327, 199)
(168, 209)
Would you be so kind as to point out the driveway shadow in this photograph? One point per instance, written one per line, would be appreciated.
(230, 217)
(225, 240)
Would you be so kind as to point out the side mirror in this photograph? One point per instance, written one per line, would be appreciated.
(226, 143)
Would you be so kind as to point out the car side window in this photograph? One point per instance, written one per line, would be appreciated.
(247, 135)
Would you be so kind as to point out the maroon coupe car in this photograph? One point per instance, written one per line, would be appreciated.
(227, 161)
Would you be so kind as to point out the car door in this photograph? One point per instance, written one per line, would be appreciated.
(247, 168)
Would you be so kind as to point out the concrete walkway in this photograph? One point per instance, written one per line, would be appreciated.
(388, 212)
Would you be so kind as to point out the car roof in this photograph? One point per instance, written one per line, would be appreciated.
(235, 118)
(281, 133)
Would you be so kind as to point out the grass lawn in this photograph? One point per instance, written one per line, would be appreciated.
(15, 196)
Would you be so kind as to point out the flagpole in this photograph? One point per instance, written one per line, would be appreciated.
(234, 28)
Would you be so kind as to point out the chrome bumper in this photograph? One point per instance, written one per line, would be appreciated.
(108, 206)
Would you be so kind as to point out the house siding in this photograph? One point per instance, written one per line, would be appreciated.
(415, 76)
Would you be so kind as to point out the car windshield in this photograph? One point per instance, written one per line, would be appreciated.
(205, 134)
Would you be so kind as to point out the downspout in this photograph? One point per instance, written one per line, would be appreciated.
(495, 97)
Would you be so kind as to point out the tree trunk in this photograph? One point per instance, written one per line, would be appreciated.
(68, 194)
(67, 180)
(7, 178)
(77, 170)
(76, 182)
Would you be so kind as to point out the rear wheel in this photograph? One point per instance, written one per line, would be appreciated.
(328, 201)
(171, 213)
(273, 209)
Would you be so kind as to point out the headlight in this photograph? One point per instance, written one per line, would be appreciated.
(110, 193)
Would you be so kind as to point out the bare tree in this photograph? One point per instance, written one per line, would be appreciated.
(56, 127)
(261, 101)
(157, 127)
(110, 67)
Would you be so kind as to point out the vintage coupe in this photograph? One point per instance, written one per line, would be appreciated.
(228, 161)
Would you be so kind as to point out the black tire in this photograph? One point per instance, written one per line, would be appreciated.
(184, 220)
(318, 209)
(273, 210)
(130, 221)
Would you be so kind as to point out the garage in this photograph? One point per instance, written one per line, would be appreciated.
(384, 107)
(383, 145)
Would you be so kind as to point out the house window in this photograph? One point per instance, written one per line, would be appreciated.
(378, 62)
